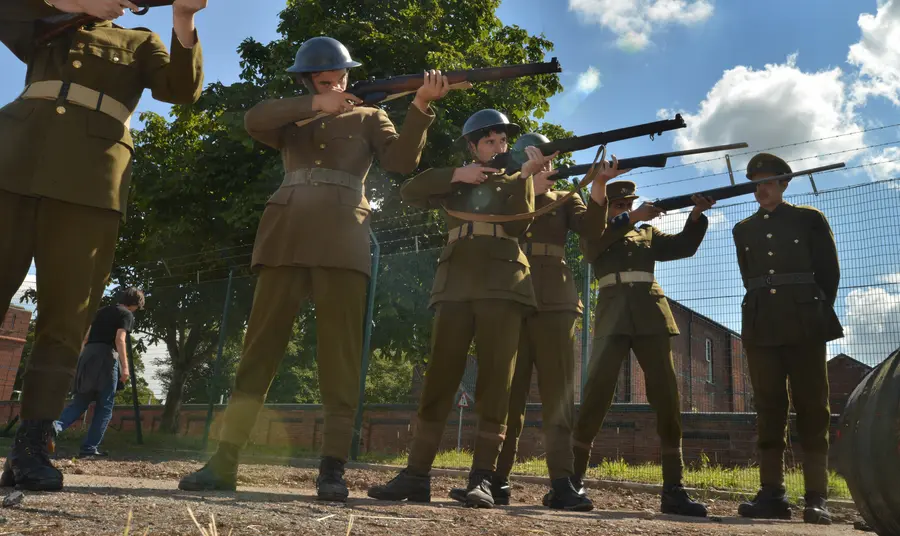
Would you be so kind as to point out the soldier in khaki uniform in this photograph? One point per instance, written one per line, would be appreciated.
(482, 289)
(313, 243)
(547, 337)
(65, 169)
(633, 315)
(789, 265)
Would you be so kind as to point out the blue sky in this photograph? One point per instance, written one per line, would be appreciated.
(764, 72)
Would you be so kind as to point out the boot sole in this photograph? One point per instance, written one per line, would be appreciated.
(28, 486)
(332, 497)
(412, 499)
(188, 487)
(476, 502)
(780, 517)
(683, 514)
(816, 519)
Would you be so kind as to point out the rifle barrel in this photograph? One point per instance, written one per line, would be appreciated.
(712, 149)
(735, 190)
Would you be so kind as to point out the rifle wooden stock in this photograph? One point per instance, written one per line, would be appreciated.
(653, 160)
(512, 161)
(50, 28)
(735, 190)
(376, 90)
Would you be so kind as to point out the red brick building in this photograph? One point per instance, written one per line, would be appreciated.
(844, 374)
(13, 331)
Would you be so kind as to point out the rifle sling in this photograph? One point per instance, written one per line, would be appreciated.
(394, 96)
(504, 218)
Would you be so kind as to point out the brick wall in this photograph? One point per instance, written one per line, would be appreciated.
(629, 432)
(13, 331)
(844, 374)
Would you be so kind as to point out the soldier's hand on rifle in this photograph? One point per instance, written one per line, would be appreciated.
(609, 170)
(189, 7)
(645, 212)
(435, 87)
(335, 102)
(472, 174)
(542, 181)
(101, 9)
(701, 204)
(536, 161)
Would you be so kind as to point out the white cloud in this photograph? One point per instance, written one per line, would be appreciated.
(886, 165)
(633, 21)
(588, 81)
(871, 323)
(877, 54)
(774, 106)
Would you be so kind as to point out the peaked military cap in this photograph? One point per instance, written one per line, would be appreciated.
(767, 163)
(620, 190)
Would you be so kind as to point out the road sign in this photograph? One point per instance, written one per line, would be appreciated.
(463, 400)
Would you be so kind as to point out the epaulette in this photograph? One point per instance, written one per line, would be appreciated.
(807, 208)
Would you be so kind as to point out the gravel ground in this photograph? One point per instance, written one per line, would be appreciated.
(279, 500)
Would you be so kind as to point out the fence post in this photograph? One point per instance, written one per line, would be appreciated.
(214, 382)
(367, 342)
(134, 393)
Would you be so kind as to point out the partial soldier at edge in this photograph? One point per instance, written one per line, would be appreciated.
(81, 90)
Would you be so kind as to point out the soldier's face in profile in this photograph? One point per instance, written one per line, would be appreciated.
(489, 146)
(619, 206)
(769, 193)
(330, 80)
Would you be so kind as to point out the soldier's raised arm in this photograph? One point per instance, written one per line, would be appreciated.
(17, 23)
(429, 188)
(668, 247)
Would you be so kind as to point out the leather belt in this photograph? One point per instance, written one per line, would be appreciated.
(478, 228)
(777, 280)
(550, 250)
(80, 95)
(317, 176)
(616, 278)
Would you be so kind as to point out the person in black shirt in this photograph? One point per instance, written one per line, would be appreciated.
(102, 365)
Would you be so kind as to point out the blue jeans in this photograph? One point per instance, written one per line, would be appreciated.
(103, 409)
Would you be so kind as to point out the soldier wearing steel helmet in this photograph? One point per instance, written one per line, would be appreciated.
(313, 243)
(547, 337)
(789, 266)
(633, 315)
(482, 289)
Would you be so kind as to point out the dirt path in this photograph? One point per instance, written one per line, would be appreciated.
(279, 500)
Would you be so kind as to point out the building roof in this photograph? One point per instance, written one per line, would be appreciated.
(848, 358)
(702, 317)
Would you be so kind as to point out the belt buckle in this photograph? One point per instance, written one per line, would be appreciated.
(768, 280)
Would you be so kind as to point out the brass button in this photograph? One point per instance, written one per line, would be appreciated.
(79, 46)
(765, 216)
(629, 253)
(470, 237)
(322, 146)
(322, 125)
(350, 137)
(553, 213)
(771, 271)
(796, 241)
(772, 291)
(498, 188)
(319, 163)
(60, 110)
(116, 59)
(528, 234)
(769, 235)
(630, 284)
(771, 254)
(76, 64)
(746, 248)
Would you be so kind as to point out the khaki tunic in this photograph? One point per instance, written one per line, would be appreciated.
(639, 308)
(554, 283)
(327, 225)
(84, 156)
(478, 267)
(790, 239)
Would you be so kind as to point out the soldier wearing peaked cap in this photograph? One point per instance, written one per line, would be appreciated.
(313, 243)
(633, 315)
(789, 266)
(65, 169)
(482, 290)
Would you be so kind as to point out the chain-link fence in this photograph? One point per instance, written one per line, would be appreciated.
(193, 297)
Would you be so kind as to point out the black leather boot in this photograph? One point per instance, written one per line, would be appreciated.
(564, 496)
(500, 490)
(478, 492)
(407, 485)
(675, 500)
(219, 473)
(330, 484)
(770, 503)
(28, 465)
(815, 511)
